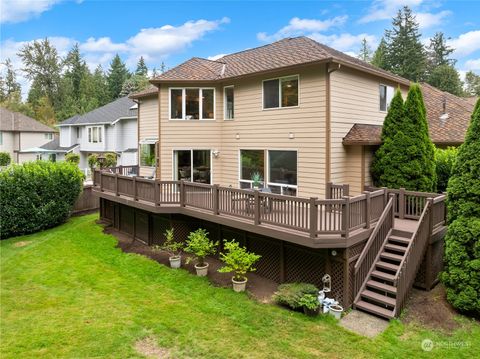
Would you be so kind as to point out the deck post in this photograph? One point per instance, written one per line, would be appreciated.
(385, 196)
(101, 181)
(393, 197)
(116, 185)
(182, 193)
(346, 216)
(313, 217)
(135, 189)
(216, 199)
(368, 203)
(401, 203)
(256, 208)
(156, 191)
(328, 190)
(120, 170)
(346, 190)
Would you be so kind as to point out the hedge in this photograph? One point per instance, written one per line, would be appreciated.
(444, 161)
(73, 158)
(37, 195)
(5, 158)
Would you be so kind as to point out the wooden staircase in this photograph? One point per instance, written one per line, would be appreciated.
(378, 294)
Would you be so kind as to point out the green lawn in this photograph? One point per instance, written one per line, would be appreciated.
(71, 293)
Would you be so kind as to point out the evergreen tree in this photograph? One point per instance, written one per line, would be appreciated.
(154, 72)
(406, 157)
(100, 86)
(379, 55)
(462, 242)
(446, 78)
(405, 54)
(365, 53)
(438, 51)
(142, 69)
(472, 84)
(75, 70)
(44, 111)
(11, 84)
(117, 74)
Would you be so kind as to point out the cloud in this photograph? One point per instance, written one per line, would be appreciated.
(102, 44)
(386, 9)
(466, 43)
(472, 65)
(216, 57)
(20, 10)
(345, 42)
(298, 26)
(426, 19)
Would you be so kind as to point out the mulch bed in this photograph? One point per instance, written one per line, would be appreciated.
(258, 287)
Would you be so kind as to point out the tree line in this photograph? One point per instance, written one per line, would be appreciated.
(401, 52)
(64, 87)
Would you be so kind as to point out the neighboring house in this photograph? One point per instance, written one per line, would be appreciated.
(110, 128)
(300, 113)
(23, 137)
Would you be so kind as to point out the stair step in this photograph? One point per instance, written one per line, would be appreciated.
(399, 239)
(394, 247)
(379, 297)
(375, 309)
(400, 233)
(382, 275)
(389, 266)
(381, 286)
(391, 256)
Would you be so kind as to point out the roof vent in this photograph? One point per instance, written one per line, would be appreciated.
(443, 118)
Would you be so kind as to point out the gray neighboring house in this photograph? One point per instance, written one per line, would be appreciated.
(23, 137)
(110, 128)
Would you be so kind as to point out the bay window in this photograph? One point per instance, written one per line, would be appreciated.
(192, 165)
(280, 92)
(94, 134)
(192, 103)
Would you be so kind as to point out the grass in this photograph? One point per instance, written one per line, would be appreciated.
(69, 292)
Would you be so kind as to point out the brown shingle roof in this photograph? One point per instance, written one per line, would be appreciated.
(15, 121)
(281, 54)
(443, 130)
(150, 90)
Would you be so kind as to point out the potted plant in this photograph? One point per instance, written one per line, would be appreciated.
(310, 304)
(238, 261)
(200, 246)
(256, 180)
(173, 248)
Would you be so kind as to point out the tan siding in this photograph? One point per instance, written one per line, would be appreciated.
(354, 99)
(369, 150)
(148, 127)
(258, 129)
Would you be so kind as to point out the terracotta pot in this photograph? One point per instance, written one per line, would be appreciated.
(175, 261)
(201, 270)
(311, 312)
(239, 286)
(336, 311)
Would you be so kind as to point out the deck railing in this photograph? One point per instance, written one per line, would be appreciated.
(312, 216)
(414, 254)
(336, 191)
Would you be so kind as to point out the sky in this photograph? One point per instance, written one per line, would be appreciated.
(173, 31)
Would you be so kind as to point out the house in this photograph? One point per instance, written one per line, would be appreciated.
(110, 128)
(22, 137)
(283, 111)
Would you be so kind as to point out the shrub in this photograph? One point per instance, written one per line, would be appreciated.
(444, 161)
(289, 294)
(72, 158)
(172, 247)
(237, 260)
(92, 160)
(5, 158)
(200, 246)
(110, 160)
(309, 301)
(37, 195)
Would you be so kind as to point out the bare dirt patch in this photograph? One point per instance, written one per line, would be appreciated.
(148, 347)
(258, 287)
(431, 310)
(22, 244)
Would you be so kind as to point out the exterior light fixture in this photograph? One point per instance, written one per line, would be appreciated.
(334, 253)
(237, 136)
(216, 153)
(291, 135)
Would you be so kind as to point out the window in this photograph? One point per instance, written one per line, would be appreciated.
(94, 134)
(1, 138)
(192, 165)
(48, 136)
(386, 95)
(228, 103)
(251, 161)
(147, 154)
(78, 132)
(39, 157)
(52, 157)
(282, 172)
(281, 92)
(192, 104)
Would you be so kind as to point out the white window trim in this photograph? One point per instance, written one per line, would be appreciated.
(280, 107)
(147, 141)
(386, 97)
(102, 134)
(184, 105)
(266, 179)
(191, 161)
(225, 103)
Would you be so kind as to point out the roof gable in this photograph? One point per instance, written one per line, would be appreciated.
(16, 121)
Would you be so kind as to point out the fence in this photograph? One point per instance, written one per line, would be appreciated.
(87, 201)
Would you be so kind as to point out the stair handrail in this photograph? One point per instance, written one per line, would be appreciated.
(414, 253)
(385, 225)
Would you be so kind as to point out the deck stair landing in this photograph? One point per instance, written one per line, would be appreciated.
(378, 295)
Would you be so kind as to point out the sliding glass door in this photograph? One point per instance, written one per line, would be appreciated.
(192, 165)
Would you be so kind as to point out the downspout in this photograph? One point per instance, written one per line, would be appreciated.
(158, 146)
(137, 101)
(328, 126)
